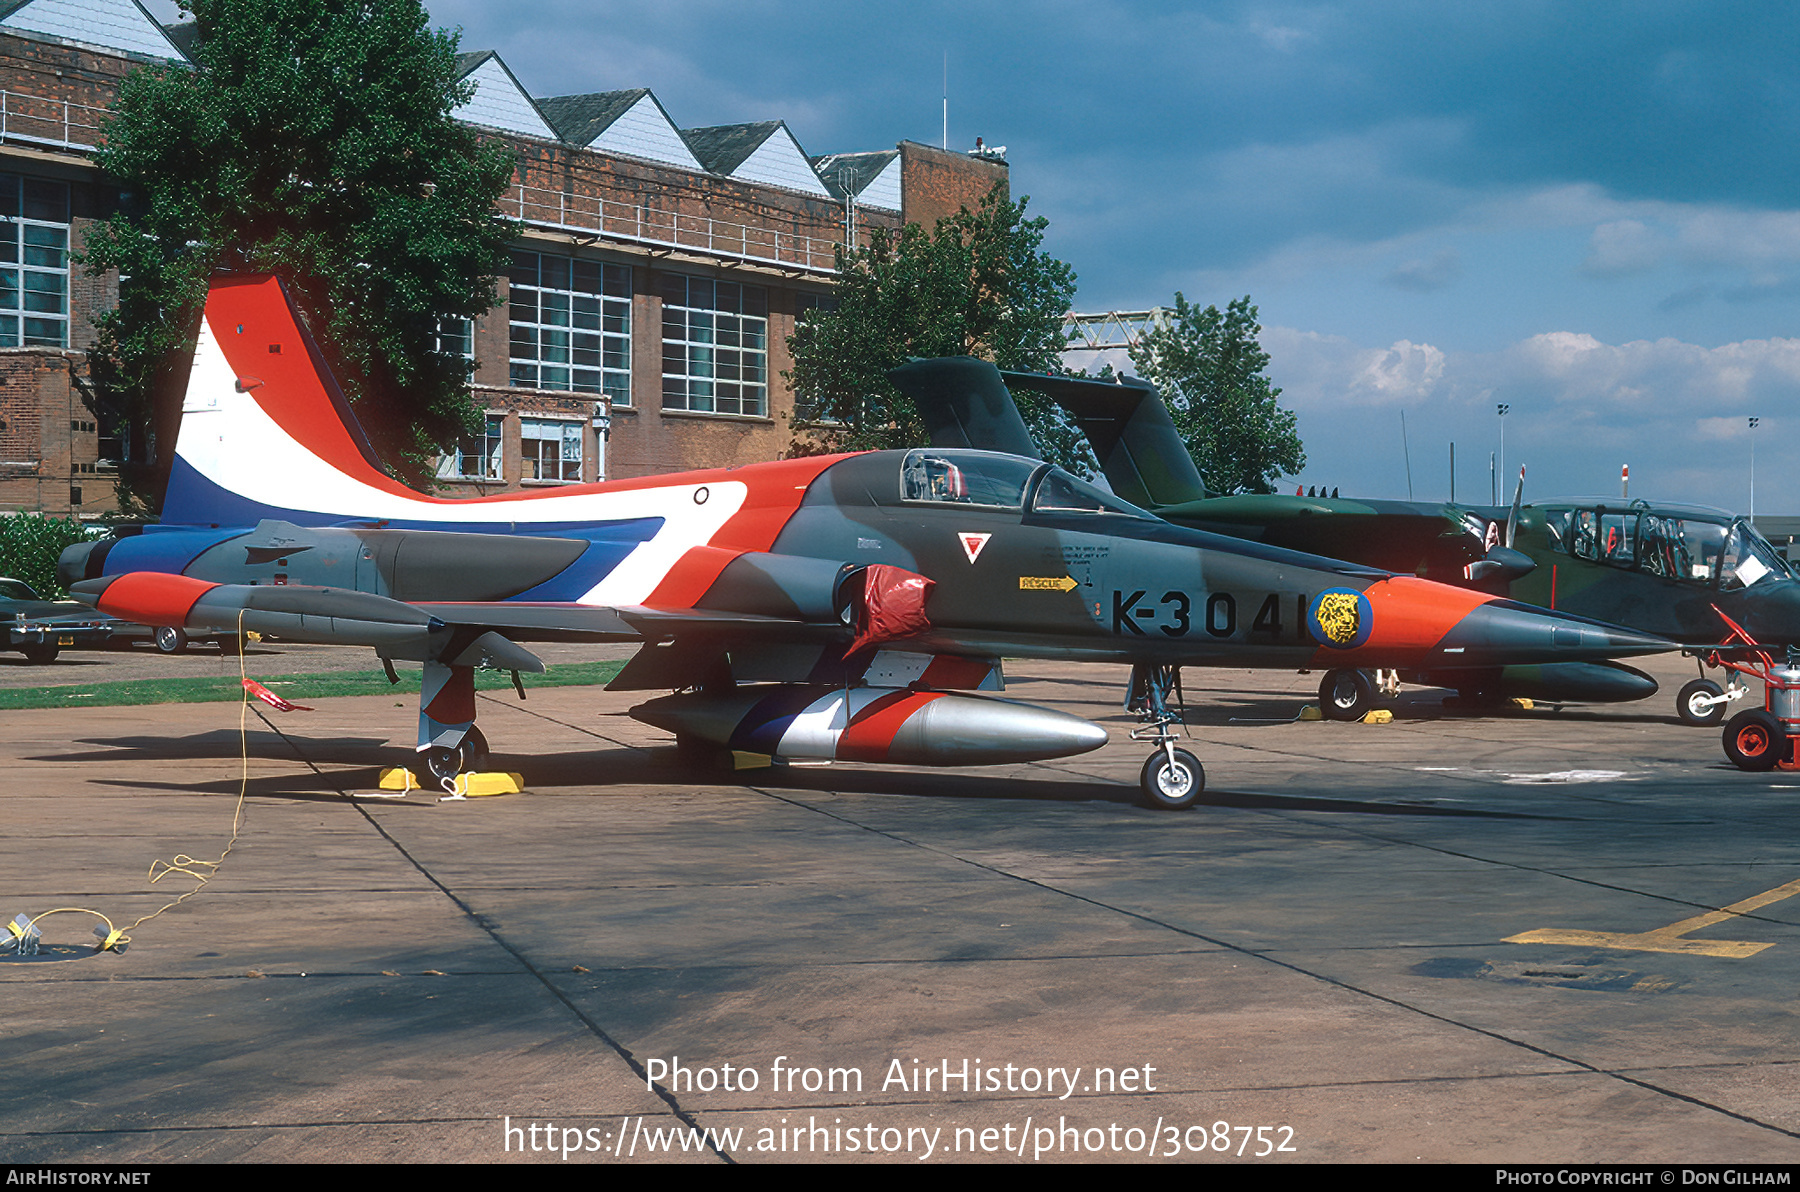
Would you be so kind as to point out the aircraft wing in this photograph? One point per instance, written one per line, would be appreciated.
(786, 617)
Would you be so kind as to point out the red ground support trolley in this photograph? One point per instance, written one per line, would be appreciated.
(1768, 737)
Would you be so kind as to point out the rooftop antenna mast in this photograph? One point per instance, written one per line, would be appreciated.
(946, 99)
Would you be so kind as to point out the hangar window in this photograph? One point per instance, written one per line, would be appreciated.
(477, 458)
(570, 325)
(715, 337)
(456, 337)
(34, 262)
(965, 478)
(550, 450)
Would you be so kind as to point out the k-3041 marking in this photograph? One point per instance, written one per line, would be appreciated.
(1175, 610)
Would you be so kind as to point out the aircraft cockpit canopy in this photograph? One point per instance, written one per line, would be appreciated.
(1060, 492)
(1690, 546)
(966, 478)
(985, 478)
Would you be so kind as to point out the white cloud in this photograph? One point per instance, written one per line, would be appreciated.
(1581, 407)
(1732, 428)
(1650, 378)
(1329, 372)
(1444, 268)
(1622, 247)
(1404, 372)
(1735, 238)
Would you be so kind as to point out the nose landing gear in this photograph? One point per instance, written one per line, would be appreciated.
(1172, 779)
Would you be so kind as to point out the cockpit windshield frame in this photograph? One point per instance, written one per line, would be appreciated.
(966, 479)
(991, 480)
(1699, 547)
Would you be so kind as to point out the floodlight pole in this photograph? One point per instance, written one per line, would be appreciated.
(1503, 409)
(1753, 425)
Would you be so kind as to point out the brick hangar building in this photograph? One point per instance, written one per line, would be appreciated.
(644, 318)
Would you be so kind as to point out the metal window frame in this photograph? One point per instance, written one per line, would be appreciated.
(613, 383)
(677, 385)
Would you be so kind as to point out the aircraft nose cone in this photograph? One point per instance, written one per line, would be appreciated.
(1501, 632)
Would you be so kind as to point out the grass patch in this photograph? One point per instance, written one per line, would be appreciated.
(299, 688)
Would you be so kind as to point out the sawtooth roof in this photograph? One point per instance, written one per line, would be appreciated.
(578, 119)
(724, 147)
(852, 172)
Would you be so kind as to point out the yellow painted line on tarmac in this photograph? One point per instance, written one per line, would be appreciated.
(1669, 939)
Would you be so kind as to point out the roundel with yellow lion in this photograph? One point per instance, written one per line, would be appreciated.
(1340, 618)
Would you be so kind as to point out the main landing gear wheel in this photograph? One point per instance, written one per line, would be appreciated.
(1755, 740)
(443, 762)
(170, 640)
(1694, 705)
(1171, 786)
(1346, 694)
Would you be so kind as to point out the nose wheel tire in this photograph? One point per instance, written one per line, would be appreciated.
(1755, 740)
(1168, 786)
(1694, 704)
(443, 762)
(1346, 694)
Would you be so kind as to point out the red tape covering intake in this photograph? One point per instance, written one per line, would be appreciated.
(153, 598)
(893, 606)
(869, 736)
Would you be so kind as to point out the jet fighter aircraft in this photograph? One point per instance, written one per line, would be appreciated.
(831, 607)
(1665, 569)
(1668, 570)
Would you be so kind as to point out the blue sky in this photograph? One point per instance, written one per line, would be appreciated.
(1588, 210)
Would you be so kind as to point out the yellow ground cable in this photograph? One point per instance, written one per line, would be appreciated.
(182, 863)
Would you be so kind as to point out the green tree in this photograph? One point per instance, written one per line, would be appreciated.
(312, 139)
(1209, 367)
(29, 546)
(976, 285)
